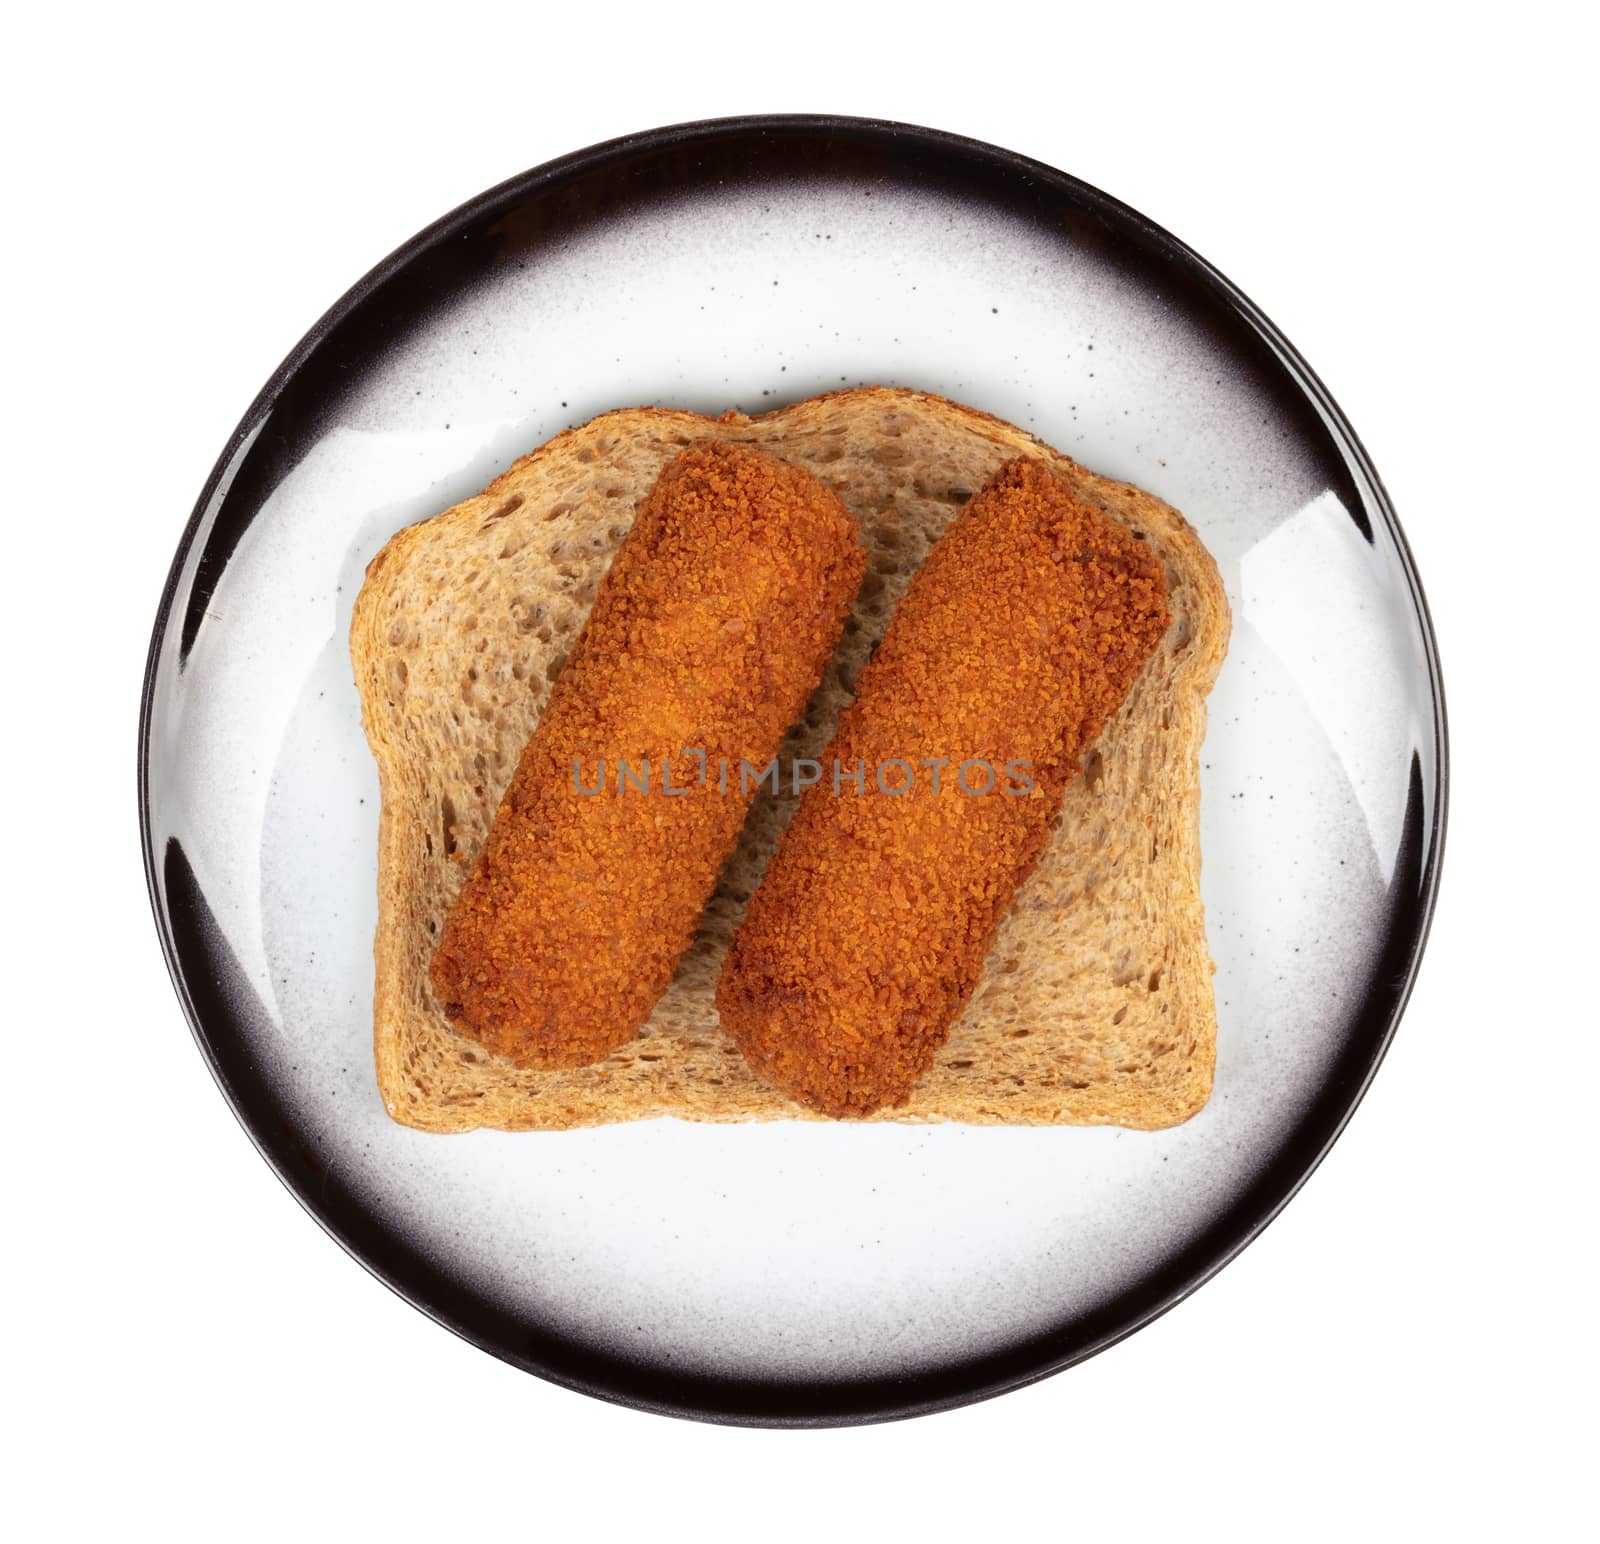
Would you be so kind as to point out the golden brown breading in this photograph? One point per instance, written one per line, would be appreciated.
(1015, 643)
(708, 633)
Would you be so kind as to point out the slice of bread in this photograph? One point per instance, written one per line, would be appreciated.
(1095, 1005)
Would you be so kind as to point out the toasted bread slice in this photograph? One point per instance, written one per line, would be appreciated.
(1095, 1005)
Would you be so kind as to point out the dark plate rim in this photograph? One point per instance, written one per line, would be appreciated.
(782, 1404)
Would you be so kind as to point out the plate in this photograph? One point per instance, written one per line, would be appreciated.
(793, 1273)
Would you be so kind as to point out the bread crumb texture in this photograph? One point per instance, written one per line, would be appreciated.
(1094, 1003)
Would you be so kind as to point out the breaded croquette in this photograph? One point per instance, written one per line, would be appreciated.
(1013, 646)
(707, 635)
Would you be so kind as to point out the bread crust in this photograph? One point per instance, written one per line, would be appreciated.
(1094, 1005)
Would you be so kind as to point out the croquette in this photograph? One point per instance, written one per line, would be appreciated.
(1013, 646)
(707, 635)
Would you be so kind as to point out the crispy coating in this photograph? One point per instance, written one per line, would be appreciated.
(1015, 643)
(708, 633)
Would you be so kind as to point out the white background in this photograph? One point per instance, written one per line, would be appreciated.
(1407, 1352)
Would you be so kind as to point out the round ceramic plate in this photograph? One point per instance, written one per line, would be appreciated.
(793, 1272)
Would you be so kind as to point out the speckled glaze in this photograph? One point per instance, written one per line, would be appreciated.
(794, 1272)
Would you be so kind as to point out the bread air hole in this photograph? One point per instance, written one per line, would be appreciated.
(509, 507)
